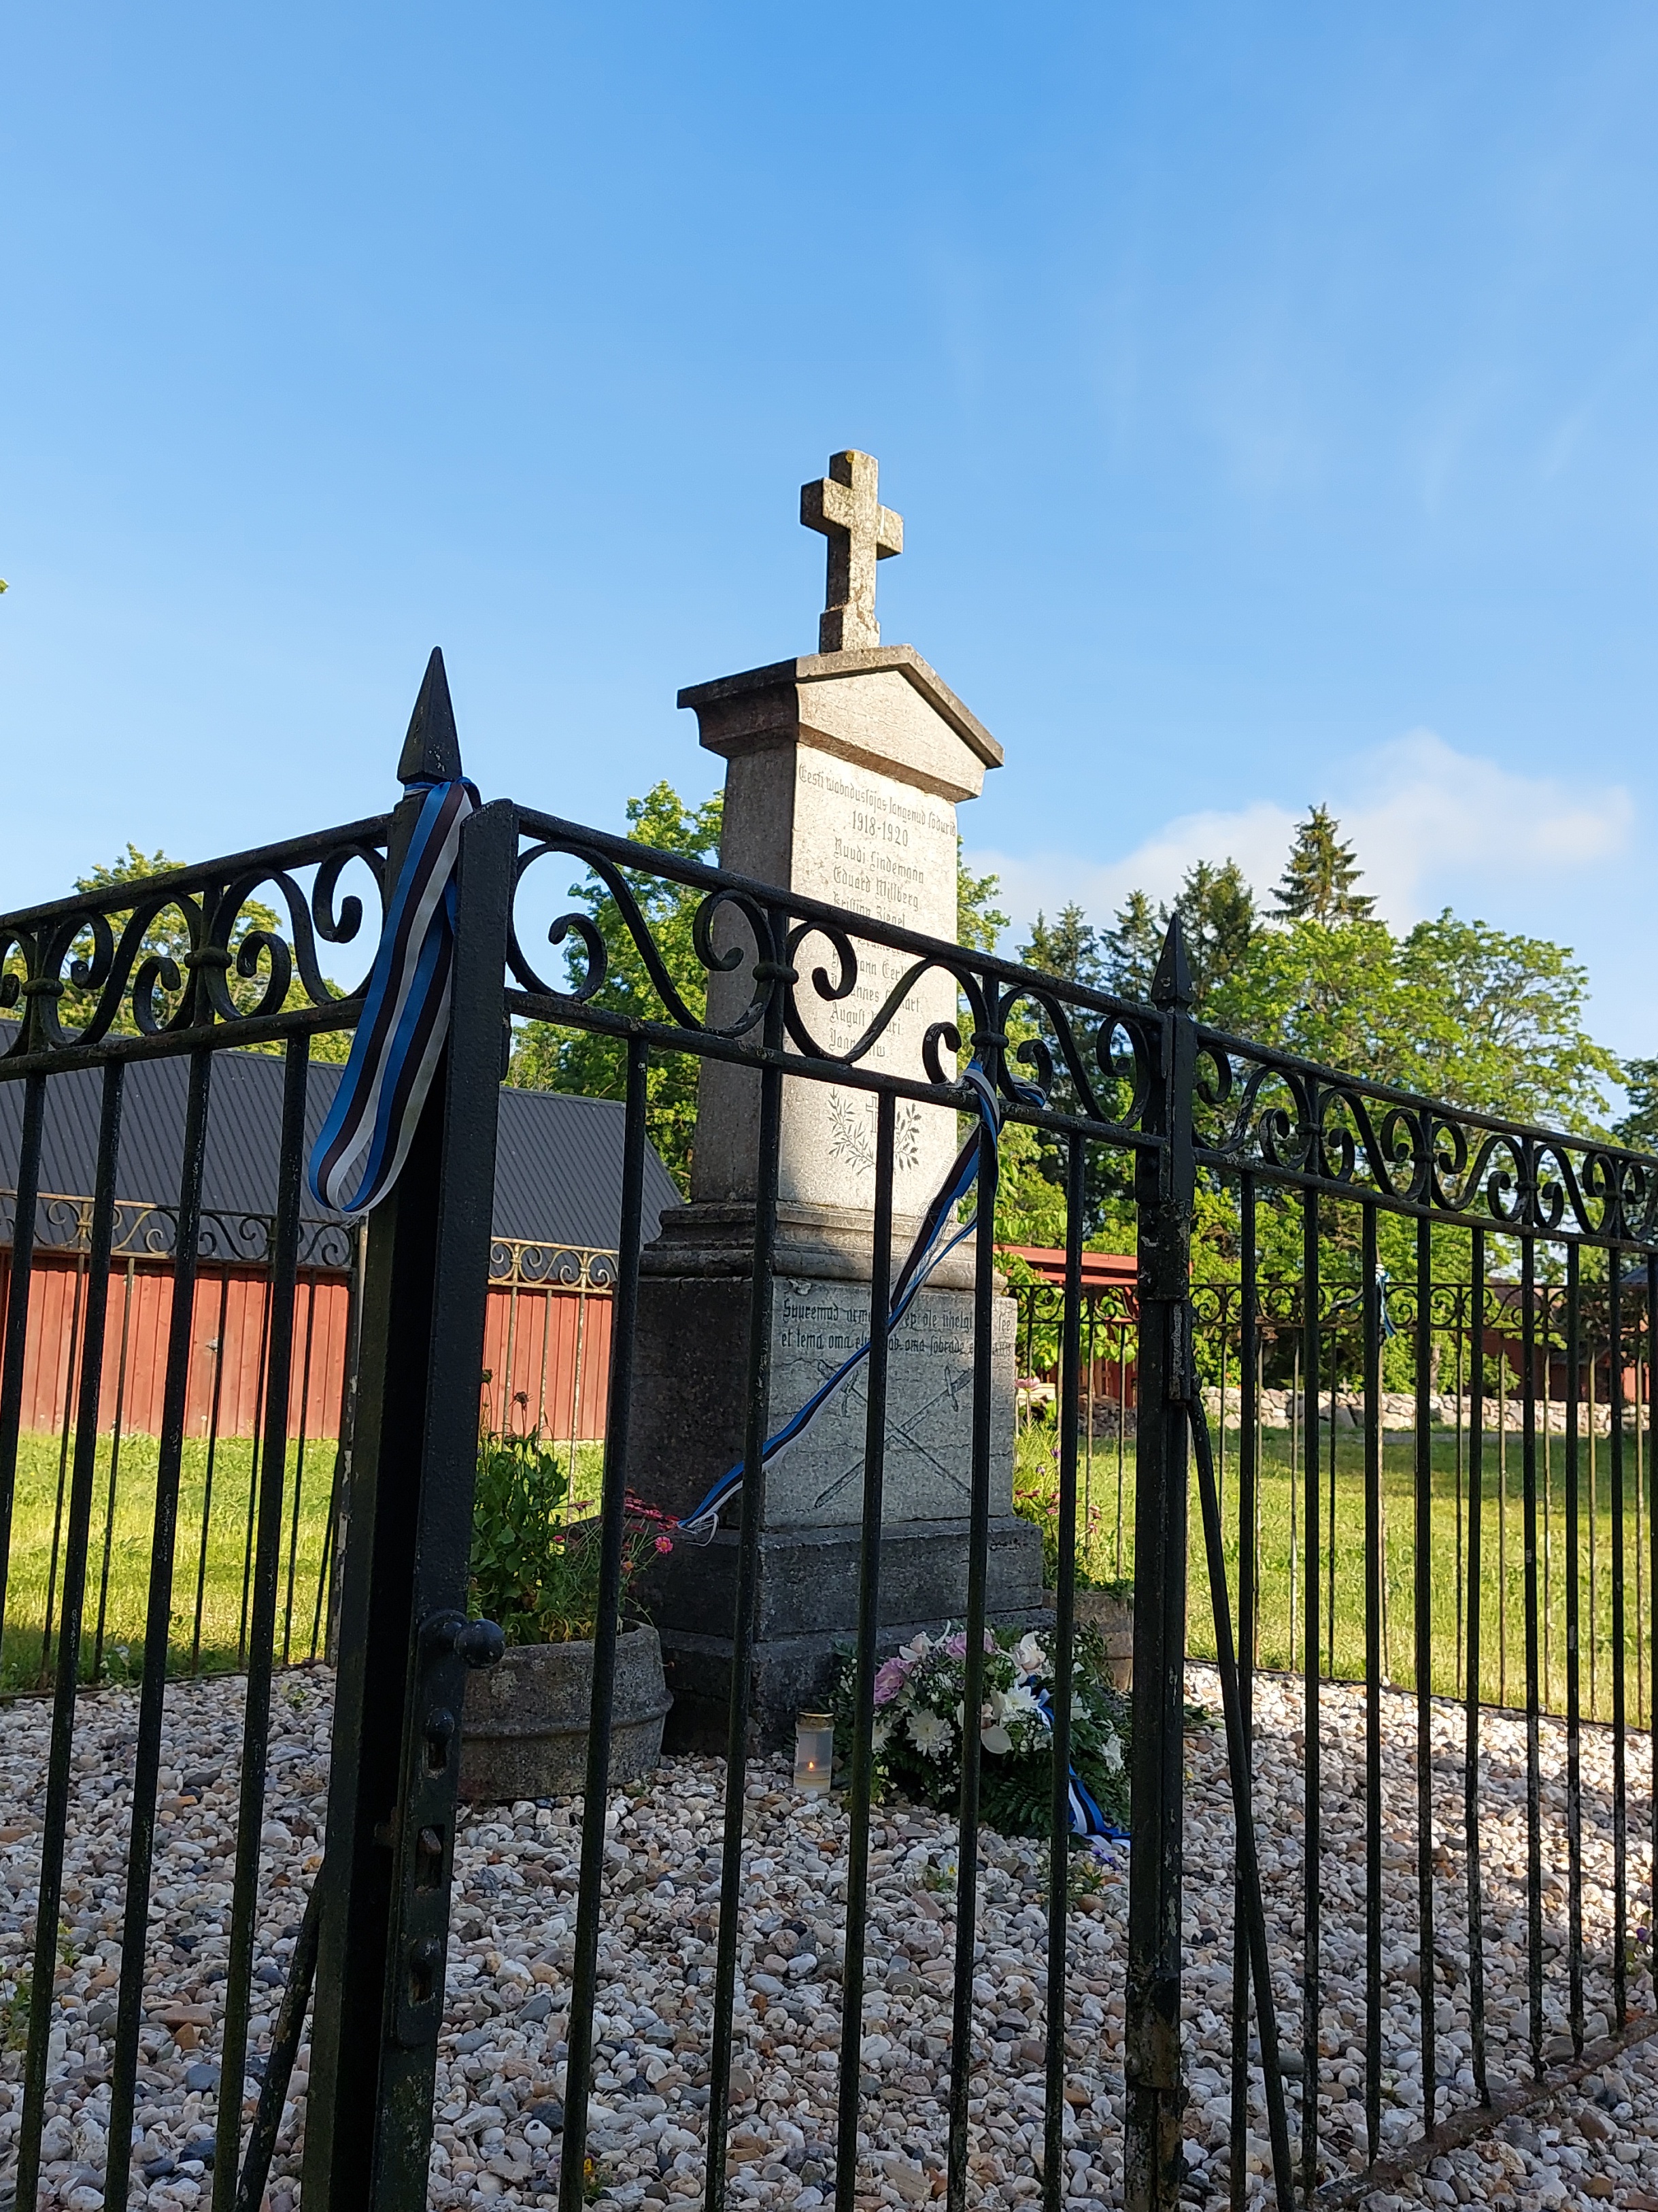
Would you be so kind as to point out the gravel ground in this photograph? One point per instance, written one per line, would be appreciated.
(500, 2077)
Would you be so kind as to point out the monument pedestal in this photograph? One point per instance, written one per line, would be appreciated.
(844, 771)
(690, 1405)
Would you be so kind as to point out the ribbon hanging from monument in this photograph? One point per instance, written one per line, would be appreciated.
(399, 1037)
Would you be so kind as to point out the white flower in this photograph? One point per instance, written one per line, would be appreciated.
(996, 1738)
(879, 1733)
(917, 1650)
(930, 1733)
(1029, 1656)
(1113, 1754)
(1018, 1703)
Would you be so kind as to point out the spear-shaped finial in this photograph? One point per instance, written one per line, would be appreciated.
(1171, 985)
(431, 752)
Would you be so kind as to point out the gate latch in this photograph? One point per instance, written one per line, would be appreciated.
(449, 1646)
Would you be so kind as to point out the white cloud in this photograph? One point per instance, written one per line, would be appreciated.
(1431, 827)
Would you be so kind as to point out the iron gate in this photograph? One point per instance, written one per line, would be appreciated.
(1162, 1104)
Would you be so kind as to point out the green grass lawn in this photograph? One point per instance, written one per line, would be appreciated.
(219, 1571)
(1107, 1550)
(214, 1578)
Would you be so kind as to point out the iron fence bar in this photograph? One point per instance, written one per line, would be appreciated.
(743, 1624)
(967, 1836)
(1335, 1356)
(17, 1317)
(1533, 1746)
(1652, 1585)
(256, 1711)
(584, 1977)
(67, 1432)
(1471, 1710)
(152, 1693)
(869, 1620)
(284, 2046)
(1248, 1477)
(1311, 1779)
(1165, 1182)
(207, 1487)
(1574, 1670)
(299, 1464)
(1423, 1596)
(404, 1643)
(1065, 1607)
(1239, 1760)
(346, 1452)
(115, 1471)
(1372, 1296)
(1594, 1545)
(55, 1822)
(1619, 1687)
(255, 1458)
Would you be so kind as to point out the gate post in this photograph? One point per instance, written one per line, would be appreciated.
(1164, 1184)
(403, 1642)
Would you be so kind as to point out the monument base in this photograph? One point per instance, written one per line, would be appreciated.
(689, 1411)
(806, 1613)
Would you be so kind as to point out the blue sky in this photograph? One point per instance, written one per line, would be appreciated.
(1266, 391)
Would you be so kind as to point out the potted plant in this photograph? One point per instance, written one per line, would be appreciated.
(525, 1724)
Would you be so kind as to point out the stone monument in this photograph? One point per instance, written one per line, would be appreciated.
(844, 772)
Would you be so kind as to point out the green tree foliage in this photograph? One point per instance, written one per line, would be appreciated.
(1639, 1123)
(1318, 879)
(979, 920)
(1130, 947)
(548, 1057)
(1216, 912)
(1069, 947)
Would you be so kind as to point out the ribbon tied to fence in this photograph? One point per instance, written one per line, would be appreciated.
(399, 1037)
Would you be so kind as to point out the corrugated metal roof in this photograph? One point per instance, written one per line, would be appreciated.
(558, 1174)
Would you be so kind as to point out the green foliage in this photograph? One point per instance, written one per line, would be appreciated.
(1319, 877)
(1068, 946)
(1639, 1124)
(533, 1573)
(979, 920)
(1454, 1009)
(548, 1057)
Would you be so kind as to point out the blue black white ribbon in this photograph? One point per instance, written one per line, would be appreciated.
(1085, 1817)
(361, 1145)
(935, 1240)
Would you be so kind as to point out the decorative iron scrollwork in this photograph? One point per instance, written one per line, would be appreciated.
(233, 968)
(1267, 1110)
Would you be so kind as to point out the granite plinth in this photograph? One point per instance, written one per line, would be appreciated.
(689, 1407)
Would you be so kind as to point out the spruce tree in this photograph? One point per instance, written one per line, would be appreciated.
(1318, 879)
(1216, 912)
(1069, 947)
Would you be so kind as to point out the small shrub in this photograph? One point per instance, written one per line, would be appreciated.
(533, 1574)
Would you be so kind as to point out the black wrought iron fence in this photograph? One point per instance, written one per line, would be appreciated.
(1459, 1339)
(1332, 1882)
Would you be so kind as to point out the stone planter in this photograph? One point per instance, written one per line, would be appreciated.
(523, 1726)
(1114, 1619)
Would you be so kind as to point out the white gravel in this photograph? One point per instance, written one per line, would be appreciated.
(501, 2074)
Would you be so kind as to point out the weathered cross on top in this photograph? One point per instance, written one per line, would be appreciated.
(860, 531)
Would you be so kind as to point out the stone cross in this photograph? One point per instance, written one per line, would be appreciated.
(860, 531)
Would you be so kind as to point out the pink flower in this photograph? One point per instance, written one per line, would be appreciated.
(955, 1645)
(664, 1543)
(890, 1680)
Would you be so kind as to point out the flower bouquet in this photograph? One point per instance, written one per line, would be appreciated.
(920, 1699)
